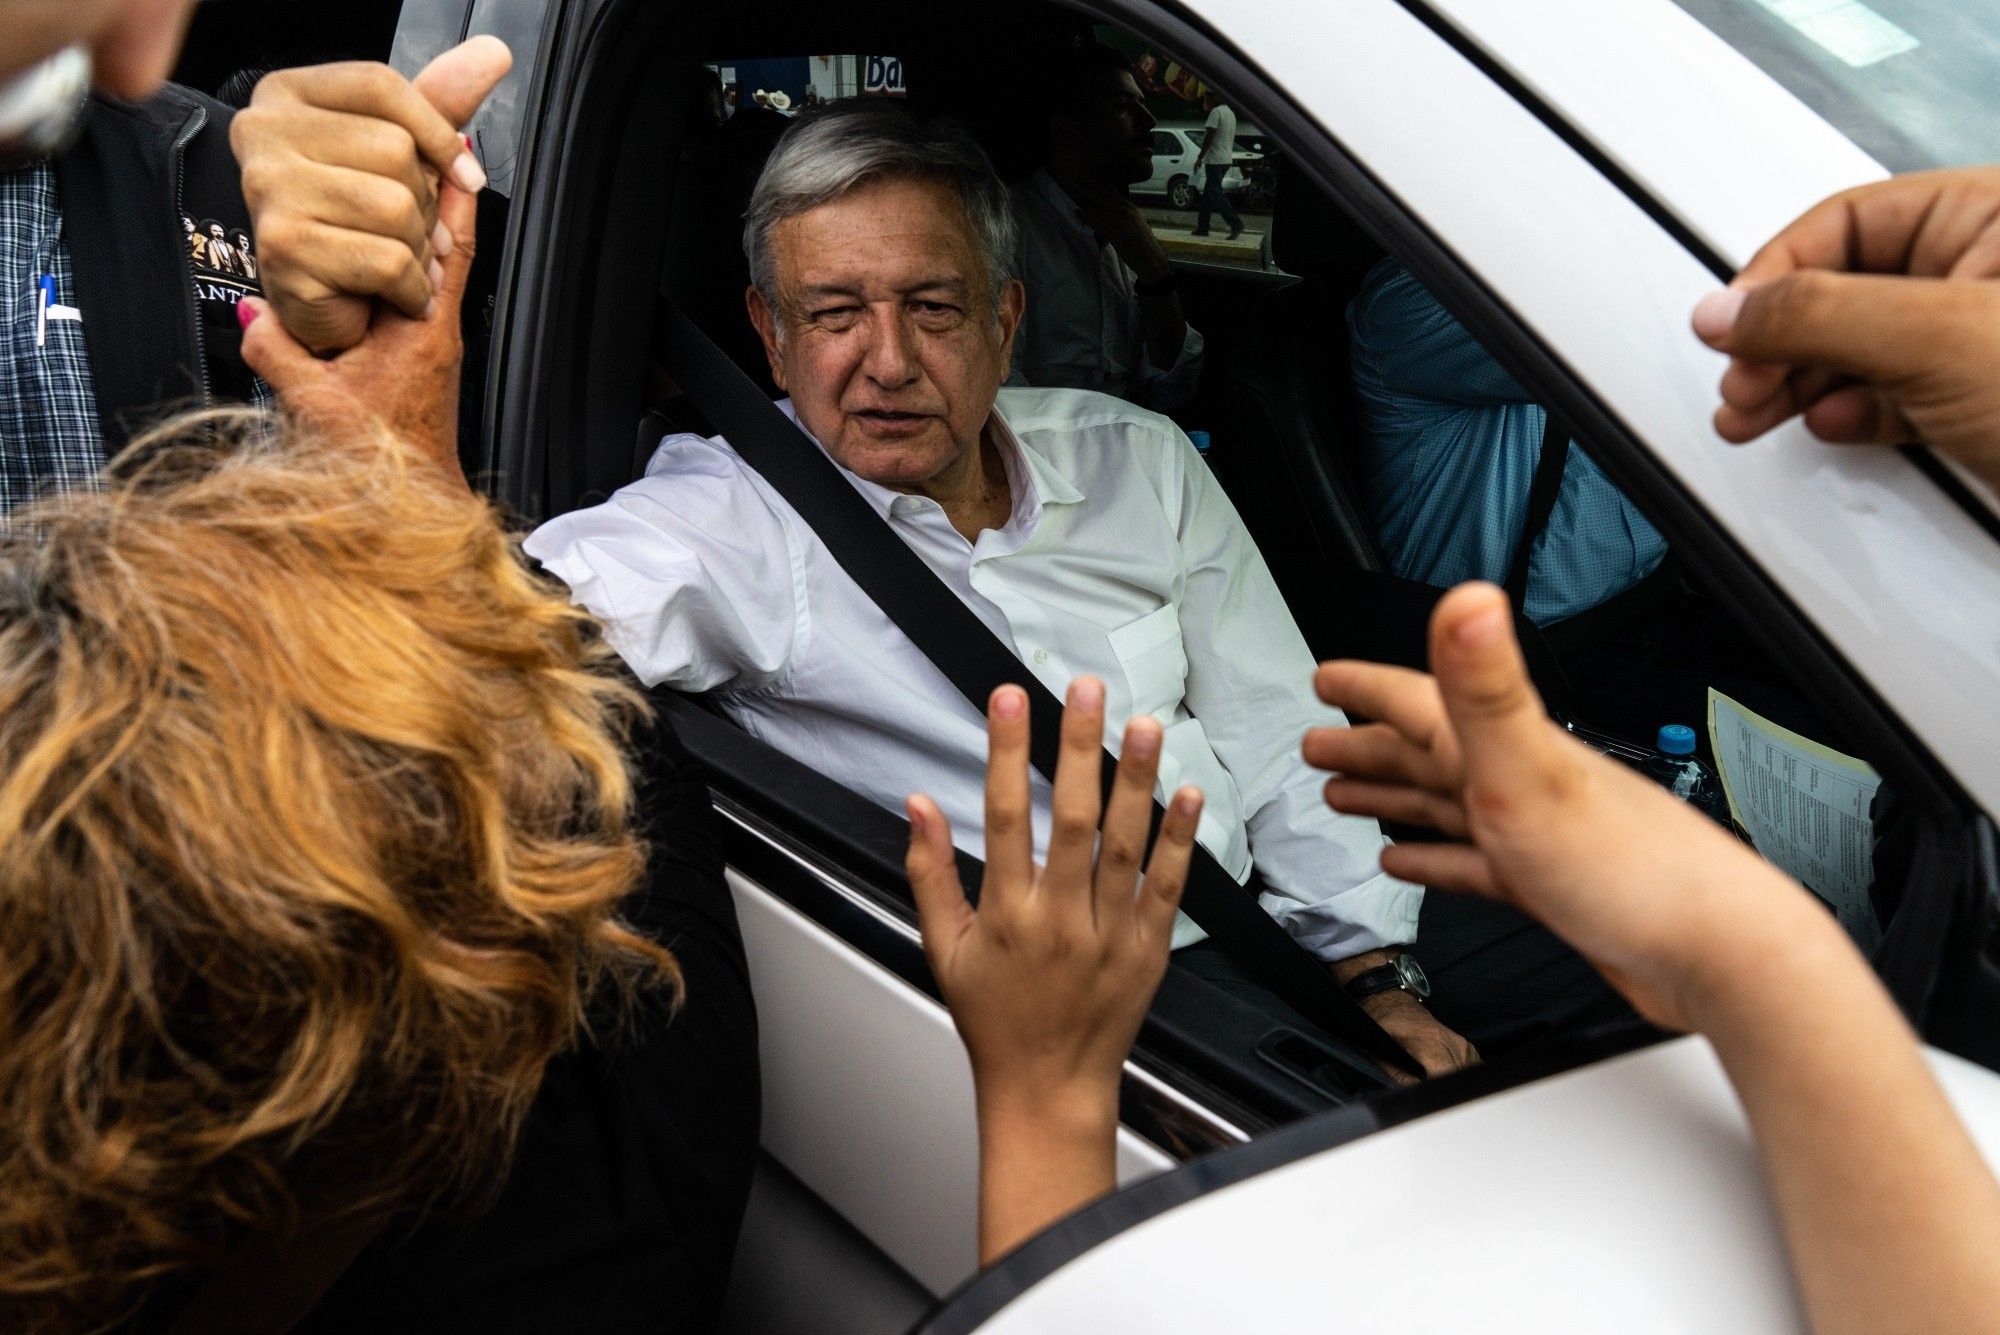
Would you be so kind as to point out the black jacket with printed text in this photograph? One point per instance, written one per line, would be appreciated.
(159, 239)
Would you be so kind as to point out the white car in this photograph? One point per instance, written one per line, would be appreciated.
(1568, 177)
(1175, 148)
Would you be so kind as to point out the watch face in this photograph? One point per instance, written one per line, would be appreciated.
(1414, 980)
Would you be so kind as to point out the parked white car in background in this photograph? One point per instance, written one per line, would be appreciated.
(1175, 148)
(1568, 177)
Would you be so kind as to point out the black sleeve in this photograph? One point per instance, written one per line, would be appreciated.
(621, 1209)
(684, 887)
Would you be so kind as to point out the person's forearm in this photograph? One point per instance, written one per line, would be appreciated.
(1347, 970)
(1040, 1159)
(1892, 1217)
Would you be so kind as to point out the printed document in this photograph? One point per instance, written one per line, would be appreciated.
(1804, 806)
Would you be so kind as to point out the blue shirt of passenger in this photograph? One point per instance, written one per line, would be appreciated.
(1450, 456)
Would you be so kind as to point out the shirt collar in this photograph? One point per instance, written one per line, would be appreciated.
(1050, 486)
(1045, 486)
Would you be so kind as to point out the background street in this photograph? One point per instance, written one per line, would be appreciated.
(1172, 226)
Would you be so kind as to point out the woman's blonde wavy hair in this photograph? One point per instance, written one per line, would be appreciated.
(314, 827)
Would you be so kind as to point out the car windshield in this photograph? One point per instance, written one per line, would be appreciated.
(1910, 81)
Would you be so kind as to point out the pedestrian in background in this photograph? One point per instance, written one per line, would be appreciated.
(1218, 154)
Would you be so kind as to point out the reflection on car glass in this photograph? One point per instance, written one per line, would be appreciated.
(1845, 29)
(1907, 80)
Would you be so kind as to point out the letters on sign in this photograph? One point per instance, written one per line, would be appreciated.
(883, 77)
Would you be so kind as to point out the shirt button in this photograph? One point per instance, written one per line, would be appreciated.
(1041, 655)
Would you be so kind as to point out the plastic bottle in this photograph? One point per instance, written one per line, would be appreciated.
(1674, 766)
(1201, 441)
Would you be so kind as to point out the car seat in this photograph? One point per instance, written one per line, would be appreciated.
(1291, 400)
(1298, 428)
(706, 271)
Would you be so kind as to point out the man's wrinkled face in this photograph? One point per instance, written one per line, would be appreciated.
(886, 335)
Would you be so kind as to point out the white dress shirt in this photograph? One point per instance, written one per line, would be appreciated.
(1081, 329)
(1122, 558)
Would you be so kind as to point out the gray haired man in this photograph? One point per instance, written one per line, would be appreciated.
(1084, 531)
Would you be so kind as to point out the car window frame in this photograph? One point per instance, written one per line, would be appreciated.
(426, 28)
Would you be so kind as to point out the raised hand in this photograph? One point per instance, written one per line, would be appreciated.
(341, 165)
(1649, 891)
(1115, 218)
(403, 376)
(1876, 315)
(1050, 976)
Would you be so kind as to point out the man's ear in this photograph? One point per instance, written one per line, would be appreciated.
(766, 322)
(1013, 303)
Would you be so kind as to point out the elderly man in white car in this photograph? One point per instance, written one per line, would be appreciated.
(1085, 532)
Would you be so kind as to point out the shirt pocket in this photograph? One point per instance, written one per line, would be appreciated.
(1154, 661)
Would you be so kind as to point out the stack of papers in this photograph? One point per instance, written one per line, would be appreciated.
(1804, 806)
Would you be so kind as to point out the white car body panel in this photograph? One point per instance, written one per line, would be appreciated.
(1625, 1197)
(1677, 107)
(1905, 583)
(868, 1095)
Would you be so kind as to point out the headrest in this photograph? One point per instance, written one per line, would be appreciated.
(1312, 238)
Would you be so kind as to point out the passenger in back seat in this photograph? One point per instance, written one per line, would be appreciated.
(1102, 312)
(1452, 445)
(1083, 531)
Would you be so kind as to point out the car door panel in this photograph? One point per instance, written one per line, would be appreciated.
(1647, 1213)
(867, 1093)
(1665, 99)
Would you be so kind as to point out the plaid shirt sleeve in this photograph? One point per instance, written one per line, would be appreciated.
(50, 440)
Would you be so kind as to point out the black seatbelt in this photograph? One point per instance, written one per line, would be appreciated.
(961, 646)
(1542, 495)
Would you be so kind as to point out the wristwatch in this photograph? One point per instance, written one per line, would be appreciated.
(1402, 974)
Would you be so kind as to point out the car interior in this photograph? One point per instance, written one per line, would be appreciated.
(639, 206)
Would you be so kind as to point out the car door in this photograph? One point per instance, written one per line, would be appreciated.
(1445, 155)
(1167, 152)
(1644, 1210)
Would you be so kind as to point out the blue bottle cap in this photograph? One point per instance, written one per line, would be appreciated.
(1200, 439)
(1676, 739)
